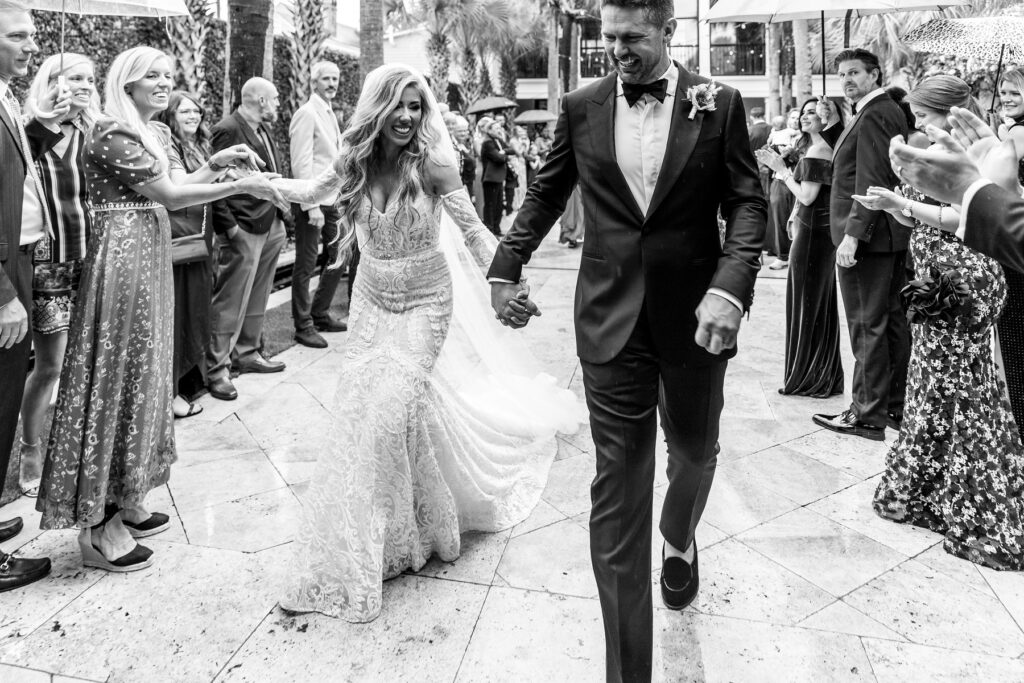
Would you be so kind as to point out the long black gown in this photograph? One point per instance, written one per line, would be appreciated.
(813, 365)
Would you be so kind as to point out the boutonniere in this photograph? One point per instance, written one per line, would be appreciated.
(702, 97)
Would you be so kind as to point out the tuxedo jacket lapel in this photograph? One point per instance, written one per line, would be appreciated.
(253, 140)
(12, 128)
(848, 129)
(601, 119)
(682, 138)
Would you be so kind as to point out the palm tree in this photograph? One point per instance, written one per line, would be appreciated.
(371, 36)
(802, 60)
(474, 39)
(305, 49)
(250, 45)
(773, 51)
(525, 34)
(187, 36)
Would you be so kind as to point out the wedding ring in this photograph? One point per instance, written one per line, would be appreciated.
(899, 171)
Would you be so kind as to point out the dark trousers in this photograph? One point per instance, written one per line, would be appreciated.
(14, 361)
(493, 206)
(307, 248)
(622, 396)
(879, 334)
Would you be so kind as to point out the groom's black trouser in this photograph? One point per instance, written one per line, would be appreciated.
(622, 396)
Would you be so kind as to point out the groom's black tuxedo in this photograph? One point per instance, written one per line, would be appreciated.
(640, 282)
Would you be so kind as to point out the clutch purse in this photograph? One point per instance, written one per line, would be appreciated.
(942, 295)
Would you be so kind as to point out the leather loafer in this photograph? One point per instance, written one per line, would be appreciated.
(16, 572)
(310, 338)
(10, 528)
(330, 324)
(894, 421)
(223, 389)
(680, 580)
(847, 422)
(257, 363)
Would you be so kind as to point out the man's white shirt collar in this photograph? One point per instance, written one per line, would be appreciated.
(671, 75)
(870, 96)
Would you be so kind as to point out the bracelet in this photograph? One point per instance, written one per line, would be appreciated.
(216, 168)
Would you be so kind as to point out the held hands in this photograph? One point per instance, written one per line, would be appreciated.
(13, 324)
(718, 323)
(511, 303)
(770, 158)
(261, 187)
(882, 199)
(239, 158)
(316, 217)
(54, 105)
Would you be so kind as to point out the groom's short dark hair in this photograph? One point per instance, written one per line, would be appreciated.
(868, 59)
(658, 12)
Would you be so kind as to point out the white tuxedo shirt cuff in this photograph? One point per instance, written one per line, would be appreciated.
(965, 203)
(727, 296)
(500, 280)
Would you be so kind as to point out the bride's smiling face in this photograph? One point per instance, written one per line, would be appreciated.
(401, 124)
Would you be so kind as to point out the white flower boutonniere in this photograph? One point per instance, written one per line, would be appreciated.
(702, 97)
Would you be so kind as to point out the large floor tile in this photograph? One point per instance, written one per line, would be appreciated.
(791, 474)
(962, 570)
(738, 502)
(740, 436)
(929, 608)
(179, 620)
(555, 558)
(827, 554)
(19, 674)
(249, 524)
(420, 635)
(852, 508)
(568, 489)
(893, 661)
(839, 617)
(477, 562)
(853, 455)
(736, 581)
(220, 481)
(320, 378)
(200, 441)
(543, 515)
(1009, 588)
(534, 636)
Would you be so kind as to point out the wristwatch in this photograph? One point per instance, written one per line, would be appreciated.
(907, 210)
(216, 168)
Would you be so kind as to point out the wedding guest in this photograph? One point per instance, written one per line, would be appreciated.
(520, 144)
(759, 131)
(58, 256)
(780, 199)
(315, 136)
(112, 439)
(571, 223)
(1011, 323)
(968, 487)
(494, 154)
(915, 137)
(871, 249)
(813, 365)
(191, 251)
(250, 232)
(459, 130)
(23, 223)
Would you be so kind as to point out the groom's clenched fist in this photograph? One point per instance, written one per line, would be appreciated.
(718, 323)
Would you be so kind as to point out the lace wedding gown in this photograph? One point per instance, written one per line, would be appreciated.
(423, 446)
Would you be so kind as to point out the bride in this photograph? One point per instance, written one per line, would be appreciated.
(441, 425)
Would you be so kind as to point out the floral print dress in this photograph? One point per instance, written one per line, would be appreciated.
(957, 467)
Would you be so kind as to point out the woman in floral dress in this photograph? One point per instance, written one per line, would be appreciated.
(957, 467)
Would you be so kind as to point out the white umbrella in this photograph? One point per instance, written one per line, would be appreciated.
(778, 11)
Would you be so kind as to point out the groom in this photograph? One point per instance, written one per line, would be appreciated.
(658, 301)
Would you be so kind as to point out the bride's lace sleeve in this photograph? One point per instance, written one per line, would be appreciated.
(481, 243)
(313, 191)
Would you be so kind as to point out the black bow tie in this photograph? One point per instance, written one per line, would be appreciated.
(657, 90)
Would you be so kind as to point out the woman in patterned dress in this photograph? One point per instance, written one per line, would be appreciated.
(112, 439)
(957, 466)
(58, 257)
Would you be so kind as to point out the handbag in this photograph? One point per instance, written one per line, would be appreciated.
(190, 248)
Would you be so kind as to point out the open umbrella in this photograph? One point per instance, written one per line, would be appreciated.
(490, 104)
(778, 11)
(988, 38)
(535, 116)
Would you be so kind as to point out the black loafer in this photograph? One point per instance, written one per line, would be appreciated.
(10, 528)
(847, 422)
(223, 389)
(680, 580)
(330, 324)
(310, 338)
(16, 572)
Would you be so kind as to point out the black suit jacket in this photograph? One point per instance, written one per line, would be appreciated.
(759, 134)
(14, 166)
(253, 215)
(995, 226)
(667, 259)
(492, 152)
(860, 159)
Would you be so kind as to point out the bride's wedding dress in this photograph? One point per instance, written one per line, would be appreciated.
(431, 436)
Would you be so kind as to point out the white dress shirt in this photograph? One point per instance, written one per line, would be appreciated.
(33, 227)
(968, 197)
(315, 140)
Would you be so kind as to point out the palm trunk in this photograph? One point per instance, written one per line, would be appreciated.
(772, 63)
(574, 56)
(439, 59)
(509, 76)
(371, 36)
(554, 93)
(802, 60)
(470, 77)
(250, 42)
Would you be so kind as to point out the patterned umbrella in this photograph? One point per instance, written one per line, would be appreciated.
(988, 38)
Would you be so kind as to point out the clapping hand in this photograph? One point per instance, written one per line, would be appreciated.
(511, 303)
(54, 105)
(770, 158)
(996, 161)
(882, 199)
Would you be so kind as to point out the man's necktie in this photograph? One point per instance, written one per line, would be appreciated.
(657, 90)
(30, 165)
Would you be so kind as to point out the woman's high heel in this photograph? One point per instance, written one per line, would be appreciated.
(139, 558)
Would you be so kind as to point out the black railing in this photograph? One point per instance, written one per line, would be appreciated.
(737, 59)
(687, 55)
(593, 63)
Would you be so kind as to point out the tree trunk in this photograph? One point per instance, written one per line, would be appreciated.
(802, 58)
(470, 77)
(250, 46)
(574, 56)
(439, 59)
(371, 36)
(188, 39)
(509, 76)
(306, 49)
(772, 62)
(564, 41)
(554, 93)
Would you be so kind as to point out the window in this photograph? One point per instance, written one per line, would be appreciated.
(685, 45)
(737, 49)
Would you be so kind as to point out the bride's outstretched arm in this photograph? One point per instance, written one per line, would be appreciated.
(314, 191)
(479, 240)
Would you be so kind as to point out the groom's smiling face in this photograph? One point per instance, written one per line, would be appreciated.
(638, 49)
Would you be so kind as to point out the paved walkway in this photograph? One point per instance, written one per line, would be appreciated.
(801, 581)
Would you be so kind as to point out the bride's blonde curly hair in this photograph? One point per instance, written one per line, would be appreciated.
(362, 143)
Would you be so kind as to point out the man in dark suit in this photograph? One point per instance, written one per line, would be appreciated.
(658, 301)
(251, 233)
(759, 132)
(871, 249)
(22, 225)
(493, 155)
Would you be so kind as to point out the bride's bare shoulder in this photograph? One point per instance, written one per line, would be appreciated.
(441, 177)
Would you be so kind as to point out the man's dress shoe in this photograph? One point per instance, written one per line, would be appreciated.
(10, 528)
(310, 338)
(847, 422)
(679, 580)
(257, 363)
(16, 572)
(330, 324)
(223, 389)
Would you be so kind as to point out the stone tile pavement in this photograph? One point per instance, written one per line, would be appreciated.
(801, 581)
